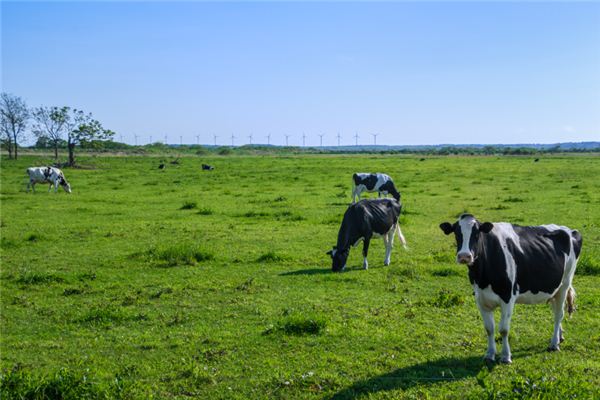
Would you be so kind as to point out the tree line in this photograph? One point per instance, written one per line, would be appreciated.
(54, 126)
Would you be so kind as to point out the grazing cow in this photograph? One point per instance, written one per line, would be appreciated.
(378, 182)
(161, 166)
(362, 221)
(206, 167)
(511, 264)
(51, 175)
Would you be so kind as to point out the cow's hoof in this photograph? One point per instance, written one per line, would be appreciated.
(505, 360)
(386, 263)
(489, 357)
(553, 348)
(487, 360)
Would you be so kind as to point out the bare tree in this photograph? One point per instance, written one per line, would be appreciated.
(50, 123)
(14, 118)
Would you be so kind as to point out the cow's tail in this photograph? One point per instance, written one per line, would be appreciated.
(354, 183)
(570, 300)
(400, 235)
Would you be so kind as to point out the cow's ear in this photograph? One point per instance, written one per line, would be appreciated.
(447, 228)
(486, 227)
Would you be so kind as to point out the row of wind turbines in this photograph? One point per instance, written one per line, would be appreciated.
(251, 137)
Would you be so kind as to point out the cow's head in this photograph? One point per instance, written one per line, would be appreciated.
(466, 231)
(65, 185)
(338, 258)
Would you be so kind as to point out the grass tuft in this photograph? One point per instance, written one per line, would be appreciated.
(588, 265)
(447, 299)
(182, 254)
(189, 205)
(32, 237)
(27, 277)
(205, 211)
(102, 315)
(298, 325)
(269, 257)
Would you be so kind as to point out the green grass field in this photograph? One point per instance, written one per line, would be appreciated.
(183, 283)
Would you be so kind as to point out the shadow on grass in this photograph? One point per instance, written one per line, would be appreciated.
(319, 271)
(308, 271)
(423, 374)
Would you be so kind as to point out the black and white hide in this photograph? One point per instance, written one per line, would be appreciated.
(50, 175)
(380, 183)
(363, 221)
(511, 264)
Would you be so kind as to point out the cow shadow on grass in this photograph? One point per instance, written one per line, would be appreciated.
(422, 374)
(320, 271)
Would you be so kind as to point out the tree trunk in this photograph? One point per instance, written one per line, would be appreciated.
(71, 155)
(15, 144)
(9, 145)
(56, 151)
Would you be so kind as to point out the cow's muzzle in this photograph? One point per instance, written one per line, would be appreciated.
(464, 258)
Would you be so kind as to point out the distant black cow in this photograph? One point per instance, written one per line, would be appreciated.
(381, 183)
(206, 167)
(511, 264)
(362, 221)
(161, 166)
(536, 160)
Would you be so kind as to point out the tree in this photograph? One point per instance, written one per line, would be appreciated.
(82, 128)
(50, 125)
(54, 123)
(13, 122)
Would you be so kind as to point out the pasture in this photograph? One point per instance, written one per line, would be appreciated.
(215, 284)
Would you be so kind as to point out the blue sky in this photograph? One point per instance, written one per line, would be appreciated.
(415, 73)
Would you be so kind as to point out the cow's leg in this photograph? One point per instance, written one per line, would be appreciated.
(388, 239)
(488, 324)
(558, 306)
(504, 328)
(28, 186)
(365, 252)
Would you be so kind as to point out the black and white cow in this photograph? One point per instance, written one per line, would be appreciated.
(362, 221)
(206, 167)
(381, 183)
(511, 264)
(51, 175)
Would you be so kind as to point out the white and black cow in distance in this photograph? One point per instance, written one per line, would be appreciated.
(511, 264)
(362, 221)
(51, 175)
(381, 183)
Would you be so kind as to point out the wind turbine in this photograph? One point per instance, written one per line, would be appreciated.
(180, 140)
(356, 139)
(215, 139)
(374, 138)
(338, 138)
(232, 139)
(150, 140)
(165, 139)
(321, 136)
(286, 139)
(250, 137)
(197, 139)
(303, 140)
(135, 138)
(269, 139)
